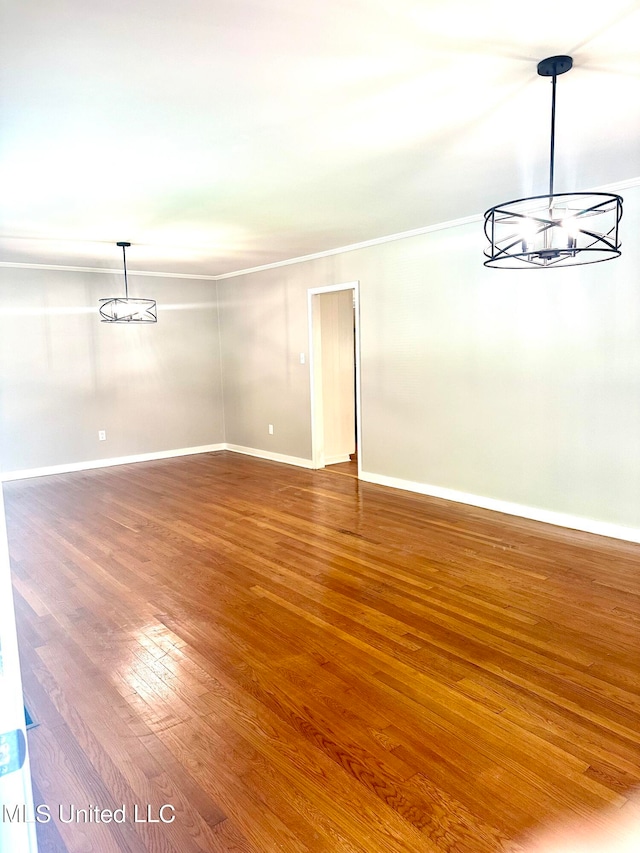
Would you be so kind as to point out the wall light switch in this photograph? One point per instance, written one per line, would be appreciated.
(102, 435)
(303, 358)
(270, 429)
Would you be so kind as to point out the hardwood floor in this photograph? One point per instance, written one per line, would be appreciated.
(350, 469)
(298, 661)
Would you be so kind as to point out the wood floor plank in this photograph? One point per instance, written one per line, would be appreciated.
(295, 660)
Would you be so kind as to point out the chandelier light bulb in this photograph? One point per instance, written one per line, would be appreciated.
(528, 231)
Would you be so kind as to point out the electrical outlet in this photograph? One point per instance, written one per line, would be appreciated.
(270, 429)
(102, 435)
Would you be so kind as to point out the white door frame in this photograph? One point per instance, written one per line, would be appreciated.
(317, 426)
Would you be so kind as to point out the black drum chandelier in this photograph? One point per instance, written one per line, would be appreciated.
(116, 309)
(556, 229)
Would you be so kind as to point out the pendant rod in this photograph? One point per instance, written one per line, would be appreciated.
(553, 132)
(124, 263)
(552, 67)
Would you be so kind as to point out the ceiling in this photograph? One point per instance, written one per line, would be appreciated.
(217, 136)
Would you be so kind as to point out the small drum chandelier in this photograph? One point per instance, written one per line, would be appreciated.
(553, 230)
(116, 309)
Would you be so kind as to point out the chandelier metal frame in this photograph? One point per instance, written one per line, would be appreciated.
(127, 309)
(555, 229)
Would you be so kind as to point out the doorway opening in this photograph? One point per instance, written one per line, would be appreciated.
(334, 363)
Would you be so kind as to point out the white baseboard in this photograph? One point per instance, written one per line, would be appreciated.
(560, 519)
(7, 476)
(70, 467)
(299, 461)
(334, 460)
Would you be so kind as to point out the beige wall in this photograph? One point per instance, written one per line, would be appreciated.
(518, 386)
(65, 375)
(263, 324)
